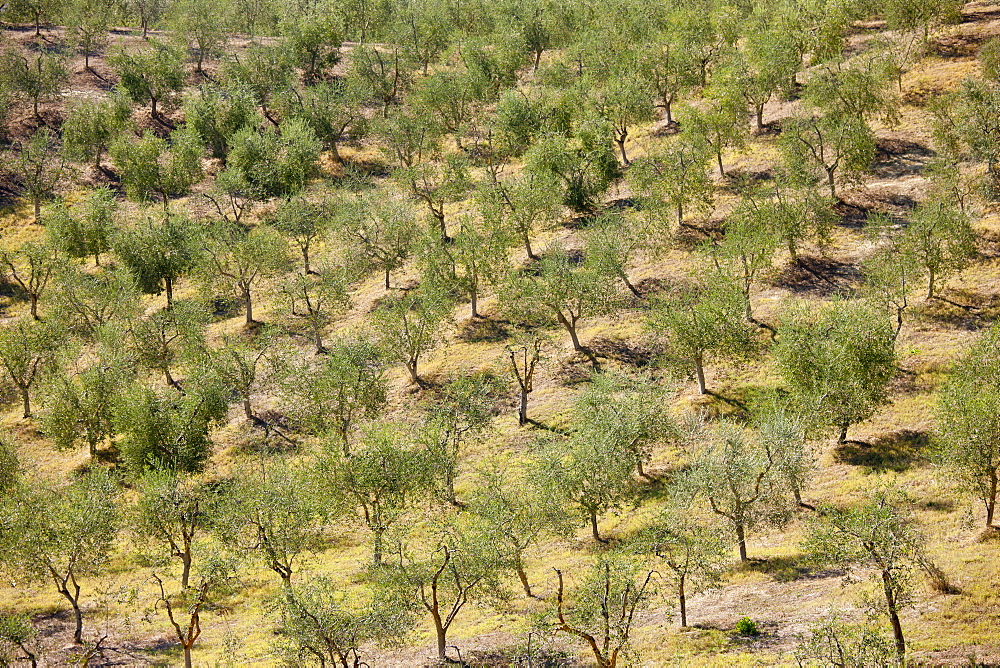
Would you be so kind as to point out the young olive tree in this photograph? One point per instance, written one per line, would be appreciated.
(158, 250)
(968, 424)
(152, 167)
(318, 623)
(703, 319)
(830, 144)
(524, 354)
(456, 563)
(153, 75)
(275, 516)
(603, 607)
(408, 326)
(92, 125)
(560, 288)
(382, 232)
(877, 535)
(741, 484)
(163, 338)
(86, 229)
(693, 551)
(338, 390)
(63, 535)
(27, 352)
(40, 166)
(239, 260)
(839, 359)
(78, 407)
(382, 479)
(938, 239)
(31, 266)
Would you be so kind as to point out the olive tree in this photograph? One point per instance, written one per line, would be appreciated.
(158, 250)
(61, 535)
(734, 474)
(40, 167)
(338, 390)
(31, 266)
(967, 421)
(239, 260)
(92, 125)
(382, 479)
(702, 319)
(383, 232)
(938, 239)
(601, 610)
(878, 535)
(27, 352)
(153, 75)
(839, 358)
(86, 229)
(408, 326)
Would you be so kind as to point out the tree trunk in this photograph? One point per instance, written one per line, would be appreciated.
(759, 114)
(386, 278)
(411, 366)
(33, 299)
(527, 247)
(699, 372)
(991, 502)
(168, 284)
(621, 149)
(37, 201)
(831, 183)
(538, 58)
(186, 569)
(378, 548)
(152, 109)
(897, 628)
(741, 539)
(305, 261)
(680, 214)
(246, 408)
(668, 108)
(571, 328)
(593, 527)
(930, 285)
(523, 577)
(187, 656)
(26, 401)
(248, 306)
(318, 339)
(167, 376)
(722, 170)
(682, 601)
(474, 302)
(842, 437)
(522, 411)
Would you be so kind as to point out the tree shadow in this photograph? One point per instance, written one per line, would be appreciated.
(820, 276)
(898, 451)
(896, 158)
(619, 350)
(482, 330)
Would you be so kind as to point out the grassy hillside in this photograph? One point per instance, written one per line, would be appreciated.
(781, 590)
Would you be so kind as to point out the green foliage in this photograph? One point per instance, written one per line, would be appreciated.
(217, 114)
(584, 164)
(339, 390)
(734, 473)
(274, 162)
(153, 75)
(312, 40)
(839, 359)
(673, 180)
(196, 22)
(17, 633)
(382, 479)
(166, 431)
(39, 165)
(333, 110)
(237, 260)
(831, 144)
(27, 352)
(274, 515)
(158, 250)
(62, 535)
(967, 421)
(562, 289)
(701, 320)
(317, 621)
(834, 641)
(152, 166)
(85, 230)
(87, 25)
(410, 324)
(160, 339)
(87, 304)
(747, 627)
(602, 608)
(79, 406)
(939, 239)
(92, 125)
(380, 233)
